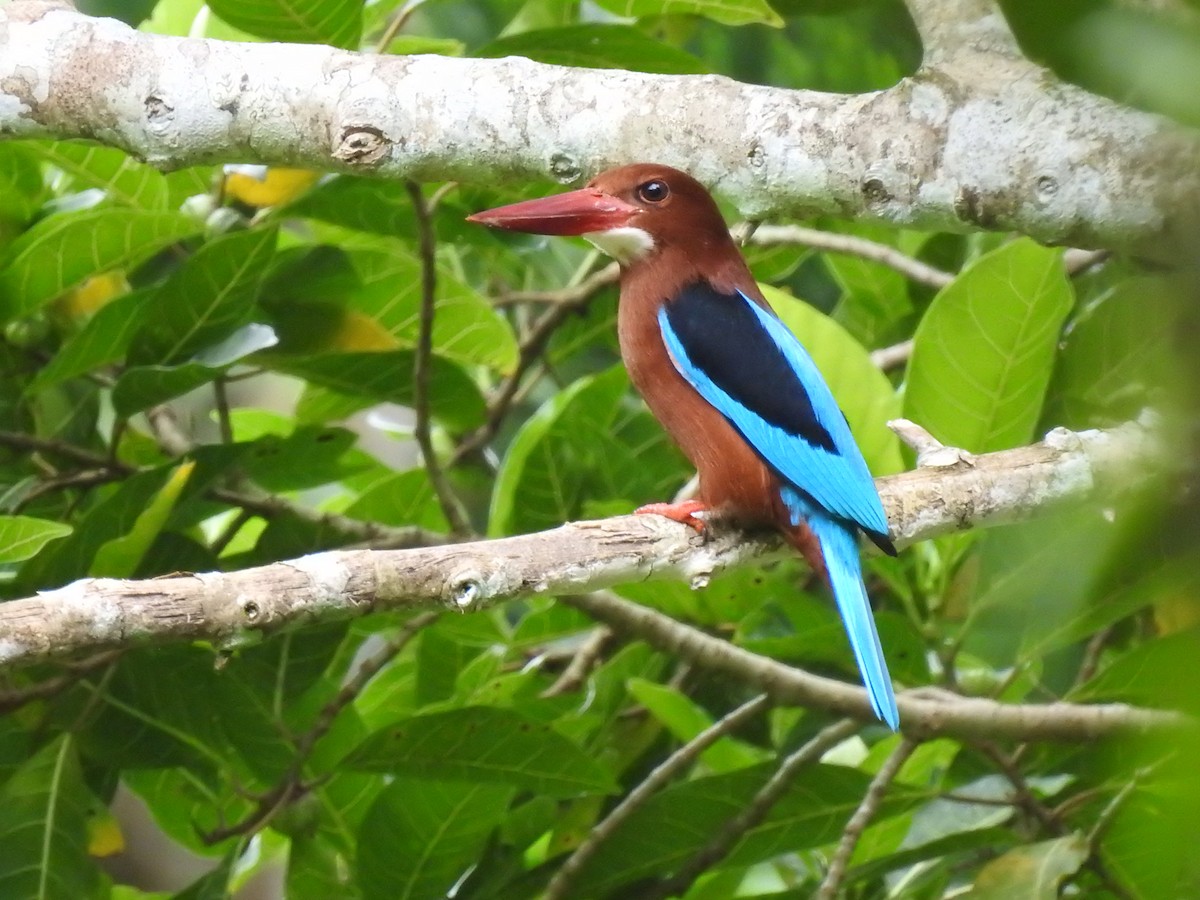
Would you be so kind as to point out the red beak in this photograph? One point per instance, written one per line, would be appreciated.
(576, 212)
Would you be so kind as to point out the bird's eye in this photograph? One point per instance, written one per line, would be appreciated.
(653, 191)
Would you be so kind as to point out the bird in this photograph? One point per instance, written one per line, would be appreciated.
(730, 383)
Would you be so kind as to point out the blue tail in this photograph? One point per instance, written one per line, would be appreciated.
(839, 547)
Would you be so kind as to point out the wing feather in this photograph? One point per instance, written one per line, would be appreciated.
(746, 363)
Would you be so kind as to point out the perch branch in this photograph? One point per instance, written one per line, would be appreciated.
(227, 608)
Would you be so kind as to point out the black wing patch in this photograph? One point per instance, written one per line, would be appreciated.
(724, 339)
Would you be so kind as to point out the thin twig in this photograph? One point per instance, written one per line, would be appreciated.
(576, 671)
(398, 20)
(1077, 261)
(1105, 819)
(247, 497)
(292, 784)
(18, 440)
(913, 269)
(15, 698)
(529, 352)
(229, 532)
(86, 479)
(1091, 655)
(452, 507)
(893, 357)
(562, 882)
(221, 402)
(858, 823)
(1023, 794)
(570, 295)
(770, 793)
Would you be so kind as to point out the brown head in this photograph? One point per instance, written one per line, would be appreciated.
(632, 213)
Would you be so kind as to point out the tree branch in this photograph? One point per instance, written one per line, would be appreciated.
(770, 793)
(924, 712)
(226, 608)
(452, 508)
(852, 245)
(862, 818)
(948, 148)
(562, 882)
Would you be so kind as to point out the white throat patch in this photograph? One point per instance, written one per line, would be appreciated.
(625, 245)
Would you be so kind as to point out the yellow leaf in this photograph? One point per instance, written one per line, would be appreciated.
(361, 332)
(85, 299)
(104, 837)
(260, 186)
(1176, 612)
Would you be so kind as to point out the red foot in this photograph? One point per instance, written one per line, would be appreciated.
(684, 512)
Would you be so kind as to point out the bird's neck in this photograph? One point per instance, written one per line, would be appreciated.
(660, 276)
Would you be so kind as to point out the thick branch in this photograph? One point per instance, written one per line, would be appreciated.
(96, 614)
(977, 139)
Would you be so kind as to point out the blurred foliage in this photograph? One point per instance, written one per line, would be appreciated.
(294, 298)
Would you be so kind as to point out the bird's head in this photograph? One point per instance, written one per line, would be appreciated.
(629, 212)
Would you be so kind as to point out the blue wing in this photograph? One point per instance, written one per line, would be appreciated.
(746, 363)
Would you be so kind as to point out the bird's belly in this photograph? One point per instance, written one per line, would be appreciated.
(734, 481)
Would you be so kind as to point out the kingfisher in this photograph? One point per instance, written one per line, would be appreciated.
(730, 383)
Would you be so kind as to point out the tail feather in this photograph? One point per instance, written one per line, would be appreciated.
(839, 551)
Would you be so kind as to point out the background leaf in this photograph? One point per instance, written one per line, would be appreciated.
(484, 744)
(62, 250)
(336, 22)
(982, 354)
(43, 827)
(22, 536)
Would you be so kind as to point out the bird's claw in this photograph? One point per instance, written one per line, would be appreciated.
(684, 512)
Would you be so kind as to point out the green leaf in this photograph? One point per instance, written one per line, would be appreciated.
(727, 12)
(145, 386)
(866, 397)
(62, 250)
(596, 47)
(111, 518)
(586, 443)
(122, 178)
(1033, 871)
(102, 340)
(43, 827)
(405, 498)
(141, 387)
(466, 328)
(311, 456)
(874, 296)
(453, 397)
(1150, 675)
(1149, 844)
(336, 22)
(484, 744)
(22, 188)
(22, 537)
(681, 819)
(1119, 356)
(212, 885)
(120, 557)
(372, 205)
(207, 299)
(685, 719)
(323, 298)
(984, 351)
(419, 837)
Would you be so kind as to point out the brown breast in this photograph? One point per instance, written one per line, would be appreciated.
(734, 481)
